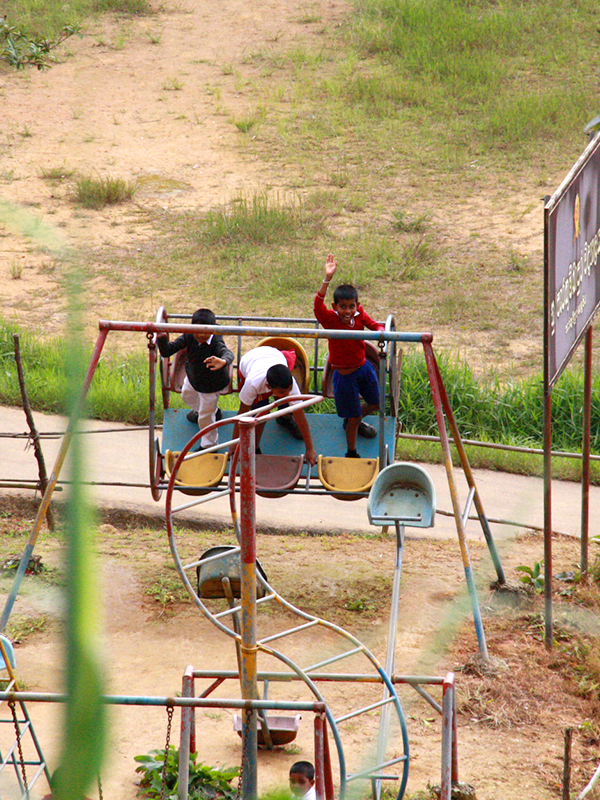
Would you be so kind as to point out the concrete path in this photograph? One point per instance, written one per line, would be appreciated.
(120, 455)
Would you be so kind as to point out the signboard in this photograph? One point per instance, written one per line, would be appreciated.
(572, 254)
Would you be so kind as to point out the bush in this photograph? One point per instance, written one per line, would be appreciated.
(205, 783)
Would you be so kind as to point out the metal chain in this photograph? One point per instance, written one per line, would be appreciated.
(99, 788)
(11, 705)
(163, 780)
(244, 746)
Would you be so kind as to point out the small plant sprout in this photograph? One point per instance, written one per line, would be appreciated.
(532, 576)
(155, 38)
(406, 224)
(245, 124)
(173, 85)
(16, 271)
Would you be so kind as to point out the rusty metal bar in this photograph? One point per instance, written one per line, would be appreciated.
(329, 790)
(179, 702)
(325, 676)
(447, 736)
(248, 602)
(464, 460)
(299, 333)
(185, 736)
(319, 756)
(512, 448)
(58, 464)
(434, 380)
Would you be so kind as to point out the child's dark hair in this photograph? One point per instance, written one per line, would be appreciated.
(279, 377)
(303, 768)
(204, 316)
(345, 292)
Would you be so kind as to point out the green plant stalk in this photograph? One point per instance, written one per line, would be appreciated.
(84, 726)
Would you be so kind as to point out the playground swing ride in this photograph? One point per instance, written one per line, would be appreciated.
(398, 494)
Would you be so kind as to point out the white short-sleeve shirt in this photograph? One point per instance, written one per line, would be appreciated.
(254, 366)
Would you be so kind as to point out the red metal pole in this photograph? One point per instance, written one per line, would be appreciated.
(329, 789)
(248, 602)
(319, 757)
(447, 731)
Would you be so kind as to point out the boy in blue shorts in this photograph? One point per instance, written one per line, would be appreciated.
(354, 377)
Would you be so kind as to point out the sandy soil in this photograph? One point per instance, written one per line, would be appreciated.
(510, 725)
(114, 106)
(153, 100)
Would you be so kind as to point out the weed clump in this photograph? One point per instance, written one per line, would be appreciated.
(97, 193)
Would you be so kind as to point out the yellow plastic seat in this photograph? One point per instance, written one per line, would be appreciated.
(301, 371)
(203, 469)
(345, 476)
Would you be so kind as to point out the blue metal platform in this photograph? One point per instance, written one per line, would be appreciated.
(329, 437)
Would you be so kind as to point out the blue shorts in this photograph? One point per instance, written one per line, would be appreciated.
(348, 389)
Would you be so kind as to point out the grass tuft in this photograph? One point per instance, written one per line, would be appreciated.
(91, 192)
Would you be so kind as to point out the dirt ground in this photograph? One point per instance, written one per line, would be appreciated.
(113, 105)
(511, 723)
(154, 100)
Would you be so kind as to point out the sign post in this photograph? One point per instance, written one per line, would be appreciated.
(571, 300)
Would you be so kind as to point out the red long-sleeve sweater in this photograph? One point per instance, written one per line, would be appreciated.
(345, 353)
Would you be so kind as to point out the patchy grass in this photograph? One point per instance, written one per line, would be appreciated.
(19, 629)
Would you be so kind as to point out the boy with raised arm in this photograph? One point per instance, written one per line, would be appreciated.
(353, 376)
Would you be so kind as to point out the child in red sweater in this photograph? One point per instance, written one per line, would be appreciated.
(353, 377)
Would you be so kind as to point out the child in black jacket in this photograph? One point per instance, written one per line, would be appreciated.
(207, 371)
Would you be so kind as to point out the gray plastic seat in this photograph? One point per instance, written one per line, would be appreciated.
(402, 493)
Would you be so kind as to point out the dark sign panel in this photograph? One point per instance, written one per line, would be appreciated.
(572, 245)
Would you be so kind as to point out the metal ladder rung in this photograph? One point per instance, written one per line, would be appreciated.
(239, 608)
(365, 709)
(367, 773)
(206, 499)
(289, 631)
(332, 660)
(10, 753)
(232, 552)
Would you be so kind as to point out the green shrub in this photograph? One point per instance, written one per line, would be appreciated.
(205, 783)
